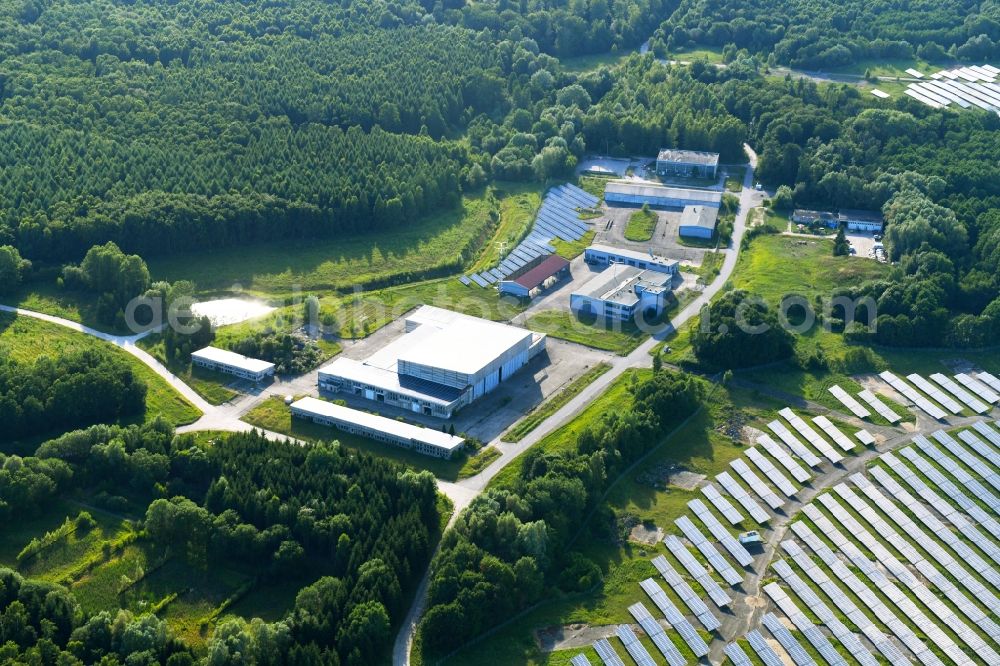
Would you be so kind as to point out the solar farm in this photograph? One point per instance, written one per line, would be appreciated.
(558, 218)
(872, 549)
(961, 88)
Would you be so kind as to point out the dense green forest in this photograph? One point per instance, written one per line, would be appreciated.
(355, 529)
(822, 34)
(513, 544)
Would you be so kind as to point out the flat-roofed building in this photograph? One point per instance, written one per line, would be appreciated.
(810, 217)
(443, 362)
(636, 194)
(605, 255)
(698, 221)
(531, 277)
(428, 441)
(223, 360)
(621, 292)
(861, 220)
(689, 163)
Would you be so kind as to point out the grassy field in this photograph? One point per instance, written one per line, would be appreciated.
(272, 414)
(554, 404)
(25, 339)
(618, 337)
(572, 249)
(275, 270)
(580, 64)
(641, 225)
(711, 266)
(518, 204)
(209, 384)
(699, 447)
(708, 54)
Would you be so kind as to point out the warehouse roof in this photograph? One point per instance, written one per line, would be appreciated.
(633, 254)
(618, 284)
(374, 422)
(688, 157)
(232, 359)
(699, 216)
(390, 380)
(466, 345)
(650, 190)
(860, 215)
(542, 271)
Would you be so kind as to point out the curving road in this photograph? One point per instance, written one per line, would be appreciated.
(749, 199)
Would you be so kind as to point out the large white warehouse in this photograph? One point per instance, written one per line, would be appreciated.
(443, 362)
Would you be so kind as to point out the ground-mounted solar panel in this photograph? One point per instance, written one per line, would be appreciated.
(580, 660)
(880, 407)
(935, 394)
(587, 198)
(488, 277)
(788, 641)
(784, 459)
(633, 646)
(990, 380)
(697, 571)
(976, 464)
(811, 436)
(687, 595)
(675, 617)
(988, 432)
(759, 487)
(984, 450)
(607, 653)
(848, 401)
(657, 635)
(561, 218)
(951, 490)
(554, 229)
(772, 473)
(793, 443)
(763, 649)
(566, 198)
(478, 280)
(804, 625)
(917, 95)
(464, 280)
(972, 402)
(977, 388)
(706, 548)
(742, 497)
(730, 512)
(736, 655)
(720, 533)
(834, 433)
(913, 395)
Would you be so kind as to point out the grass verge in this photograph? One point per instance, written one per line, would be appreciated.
(554, 404)
(641, 225)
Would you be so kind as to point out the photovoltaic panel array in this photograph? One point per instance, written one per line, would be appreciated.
(862, 591)
(742, 497)
(936, 394)
(714, 557)
(951, 465)
(833, 432)
(977, 387)
(913, 395)
(687, 595)
(632, 645)
(730, 512)
(697, 571)
(607, 653)
(656, 634)
(720, 533)
(865, 437)
(784, 459)
(580, 660)
(674, 617)
(925, 568)
(812, 634)
(825, 615)
(840, 599)
(811, 435)
(985, 452)
(780, 481)
(946, 509)
(848, 401)
(793, 442)
(990, 380)
(951, 490)
(880, 407)
(763, 649)
(784, 636)
(888, 588)
(736, 655)
(970, 401)
(759, 487)
(988, 432)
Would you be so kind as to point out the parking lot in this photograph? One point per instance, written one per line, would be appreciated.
(665, 240)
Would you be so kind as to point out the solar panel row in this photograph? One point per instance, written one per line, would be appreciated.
(952, 467)
(880, 407)
(985, 452)
(674, 617)
(730, 512)
(763, 649)
(632, 645)
(989, 379)
(736, 491)
(687, 595)
(804, 624)
(697, 571)
(656, 634)
(936, 394)
(811, 435)
(715, 559)
(978, 387)
(720, 533)
(963, 396)
(580, 660)
(736, 655)
(759, 487)
(912, 395)
(784, 459)
(784, 636)
(833, 432)
(607, 653)
(847, 401)
(780, 481)
(792, 442)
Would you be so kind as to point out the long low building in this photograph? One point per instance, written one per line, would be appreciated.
(428, 441)
(443, 362)
(622, 293)
(223, 360)
(533, 276)
(606, 255)
(690, 163)
(854, 220)
(630, 193)
(698, 221)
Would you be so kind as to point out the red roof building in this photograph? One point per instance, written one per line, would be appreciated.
(532, 275)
